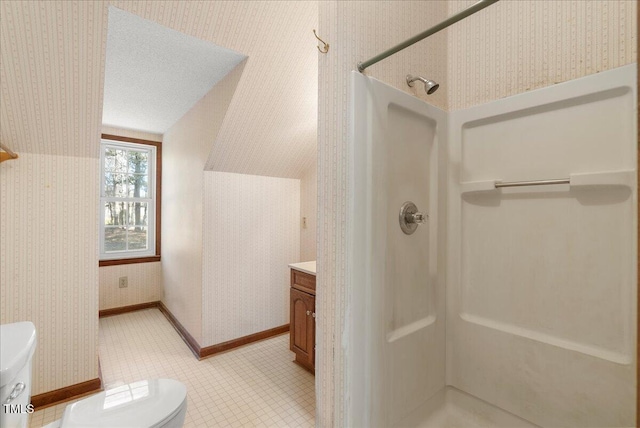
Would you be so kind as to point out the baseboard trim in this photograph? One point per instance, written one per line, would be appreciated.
(93, 386)
(190, 341)
(192, 344)
(208, 351)
(125, 309)
(241, 341)
(67, 393)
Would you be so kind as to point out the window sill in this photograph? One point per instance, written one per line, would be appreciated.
(116, 262)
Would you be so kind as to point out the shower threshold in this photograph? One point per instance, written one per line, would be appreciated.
(451, 408)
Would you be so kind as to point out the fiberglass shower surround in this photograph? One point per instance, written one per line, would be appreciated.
(514, 302)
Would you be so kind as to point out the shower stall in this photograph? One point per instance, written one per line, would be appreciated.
(511, 302)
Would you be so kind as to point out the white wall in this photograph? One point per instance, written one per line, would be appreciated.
(251, 233)
(546, 276)
(49, 270)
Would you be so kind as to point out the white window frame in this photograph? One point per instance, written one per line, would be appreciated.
(151, 201)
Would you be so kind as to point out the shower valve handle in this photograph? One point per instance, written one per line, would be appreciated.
(411, 218)
(417, 218)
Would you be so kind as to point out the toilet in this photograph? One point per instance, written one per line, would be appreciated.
(18, 342)
(145, 403)
(151, 403)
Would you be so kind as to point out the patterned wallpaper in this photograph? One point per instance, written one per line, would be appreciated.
(511, 47)
(356, 31)
(52, 80)
(51, 84)
(251, 233)
(49, 262)
(144, 284)
(52, 75)
(145, 279)
(227, 238)
(270, 128)
(309, 209)
(185, 148)
(517, 46)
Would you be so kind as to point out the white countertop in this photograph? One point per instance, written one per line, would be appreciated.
(308, 267)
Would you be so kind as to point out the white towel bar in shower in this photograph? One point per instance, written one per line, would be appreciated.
(605, 178)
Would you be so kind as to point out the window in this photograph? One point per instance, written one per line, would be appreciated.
(129, 201)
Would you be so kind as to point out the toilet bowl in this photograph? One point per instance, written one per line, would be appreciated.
(16, 353)
(150, 403)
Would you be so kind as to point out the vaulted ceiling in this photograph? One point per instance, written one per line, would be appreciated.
(52, 60)
(154, 75)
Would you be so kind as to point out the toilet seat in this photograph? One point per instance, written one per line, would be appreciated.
(146, 403)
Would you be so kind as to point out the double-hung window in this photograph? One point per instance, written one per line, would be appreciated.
(128, 200)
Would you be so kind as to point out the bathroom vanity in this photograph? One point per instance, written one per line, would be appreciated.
(303, 313)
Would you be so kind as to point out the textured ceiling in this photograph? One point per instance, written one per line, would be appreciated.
(154, 75)
(52, 58)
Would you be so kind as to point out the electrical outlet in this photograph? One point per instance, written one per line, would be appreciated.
(123, 282)
(304, 222)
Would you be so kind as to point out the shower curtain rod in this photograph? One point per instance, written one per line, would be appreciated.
(441, 26)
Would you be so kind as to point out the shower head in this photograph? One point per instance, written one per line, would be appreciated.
(429, 85)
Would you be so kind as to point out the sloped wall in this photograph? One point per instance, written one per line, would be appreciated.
(185, 148)
(271, 125)
(50, 111)
(51, 84)
(51, 76)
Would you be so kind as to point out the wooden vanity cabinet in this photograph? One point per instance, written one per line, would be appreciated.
(303, 318)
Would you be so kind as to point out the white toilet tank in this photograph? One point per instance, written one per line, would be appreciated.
(18, 344)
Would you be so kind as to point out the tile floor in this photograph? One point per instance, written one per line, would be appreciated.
(253, 386)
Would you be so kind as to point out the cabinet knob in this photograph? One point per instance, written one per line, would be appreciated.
(308, 313)
(314, 314)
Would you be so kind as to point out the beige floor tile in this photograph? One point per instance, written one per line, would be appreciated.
(255, 385)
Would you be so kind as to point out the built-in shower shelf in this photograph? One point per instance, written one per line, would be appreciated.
(625, 178)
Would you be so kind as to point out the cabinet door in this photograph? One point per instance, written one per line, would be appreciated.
(303, 327)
